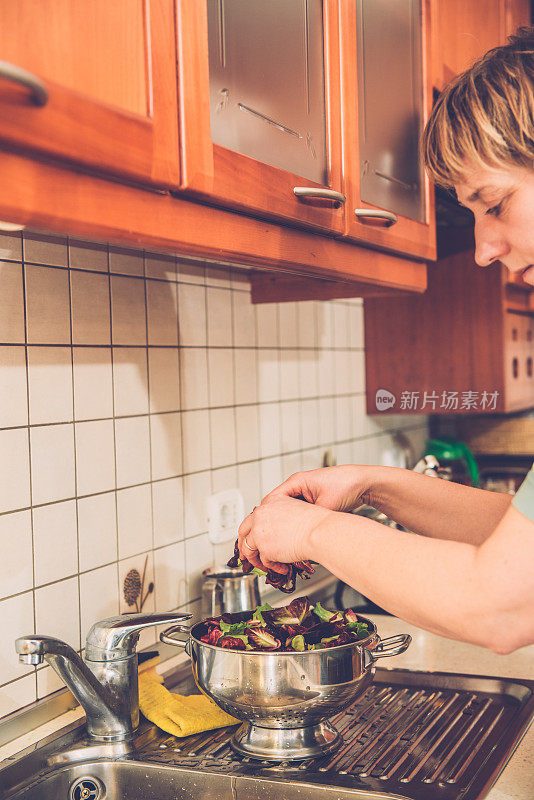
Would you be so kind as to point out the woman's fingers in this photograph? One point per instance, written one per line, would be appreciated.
(294, 486)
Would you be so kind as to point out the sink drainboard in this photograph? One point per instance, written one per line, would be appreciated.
(411, 735)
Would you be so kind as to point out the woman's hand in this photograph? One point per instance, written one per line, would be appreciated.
(338, 488)
(279, 532)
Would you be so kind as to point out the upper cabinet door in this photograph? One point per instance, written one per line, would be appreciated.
(386, 95)
(260, 106)
(93, 83)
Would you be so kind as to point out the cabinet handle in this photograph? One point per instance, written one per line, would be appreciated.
(388, 217)
(306, 192)
(12, 72)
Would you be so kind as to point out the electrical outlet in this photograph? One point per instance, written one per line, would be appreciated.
(225, 514)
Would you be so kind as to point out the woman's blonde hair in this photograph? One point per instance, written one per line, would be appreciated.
(485, 116)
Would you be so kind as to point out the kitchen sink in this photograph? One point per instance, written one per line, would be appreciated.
(116, 780)
(410, 736)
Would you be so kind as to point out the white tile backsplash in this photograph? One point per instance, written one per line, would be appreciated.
(11, 303)
(50, 384)
(162, 313)
(97, 530)
(93, 383)
(13, 387)
(90, 308)
(130, 380)
(57, 611)
(128, 311)
(16, 554)
(55, 556)
(47, 305)
(179, 387)
(95, 456)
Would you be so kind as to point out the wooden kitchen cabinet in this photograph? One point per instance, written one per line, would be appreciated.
(127, 90)
(221, 175)
(106, 80)
(463, 30)
(471, 333)
(386, 98)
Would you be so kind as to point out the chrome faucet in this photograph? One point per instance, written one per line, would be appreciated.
(105, 684)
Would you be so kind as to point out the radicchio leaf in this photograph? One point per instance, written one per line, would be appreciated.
(233, 642)
(281, 616)
(263, 639)
(301, 608)
(284, 581)
(212, 637)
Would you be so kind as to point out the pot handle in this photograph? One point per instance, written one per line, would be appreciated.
(392, 646)
(167, 637)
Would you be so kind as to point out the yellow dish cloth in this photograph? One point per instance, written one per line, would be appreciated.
(177, 714)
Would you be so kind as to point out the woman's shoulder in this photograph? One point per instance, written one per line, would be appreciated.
(523, 499)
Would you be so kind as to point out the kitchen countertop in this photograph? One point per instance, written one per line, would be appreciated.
(427, 652)
(431, 652)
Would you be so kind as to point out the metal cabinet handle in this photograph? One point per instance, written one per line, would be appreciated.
(373, 213)
(12, 72)
(308, 192)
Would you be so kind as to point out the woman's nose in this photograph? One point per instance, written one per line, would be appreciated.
(490, 244)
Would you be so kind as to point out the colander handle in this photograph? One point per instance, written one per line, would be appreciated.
(167, 637)
(392, 646)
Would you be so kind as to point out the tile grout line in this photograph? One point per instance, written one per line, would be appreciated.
(30, 485)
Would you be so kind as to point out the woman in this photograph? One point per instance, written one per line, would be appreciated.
(469, 574)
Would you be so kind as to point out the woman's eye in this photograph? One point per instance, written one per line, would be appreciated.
(494, 211)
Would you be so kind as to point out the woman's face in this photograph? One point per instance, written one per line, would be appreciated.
(502, 201)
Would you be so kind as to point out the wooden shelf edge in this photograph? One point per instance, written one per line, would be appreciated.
(46, 197)
(273, 288)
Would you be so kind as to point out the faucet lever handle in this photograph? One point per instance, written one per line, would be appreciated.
(116, 638)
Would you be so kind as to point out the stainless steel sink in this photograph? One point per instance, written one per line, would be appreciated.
(116, 780)
(411, 736)
(125, 780)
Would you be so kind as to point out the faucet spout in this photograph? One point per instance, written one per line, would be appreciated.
(105, 684)
(104, 710)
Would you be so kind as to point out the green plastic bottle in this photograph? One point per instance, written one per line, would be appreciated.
(446, 449)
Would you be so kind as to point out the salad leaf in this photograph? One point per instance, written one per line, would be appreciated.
(233, 642)
(213, 636)
(322, 613)
(298, 643)
(301, 608)
(281, 616)
(260, 572)
(258, 614)
(263, 639)
(233, 629)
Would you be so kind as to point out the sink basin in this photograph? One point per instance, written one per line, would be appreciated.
(130, 780)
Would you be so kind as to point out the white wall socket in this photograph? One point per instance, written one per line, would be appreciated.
(225, 514)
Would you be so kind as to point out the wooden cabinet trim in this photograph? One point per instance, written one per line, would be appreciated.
(45, 197)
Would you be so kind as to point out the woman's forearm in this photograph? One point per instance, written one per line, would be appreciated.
(397, 570)
(436, 508)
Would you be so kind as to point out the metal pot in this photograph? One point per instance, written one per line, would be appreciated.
(226, 590)
(284, 698)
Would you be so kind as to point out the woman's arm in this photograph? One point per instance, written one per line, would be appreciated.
(436, 508)
(483, 595)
